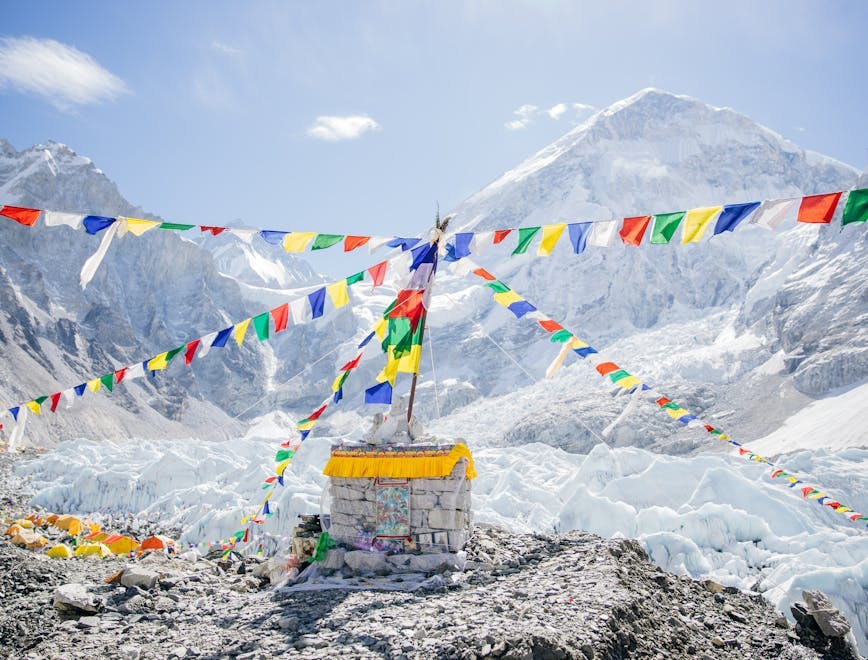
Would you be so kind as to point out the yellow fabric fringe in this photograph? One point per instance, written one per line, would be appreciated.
(404, 465)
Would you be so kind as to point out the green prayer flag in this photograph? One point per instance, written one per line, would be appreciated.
(323, 241)
(283, 454)
(498, 286)
(40, 399)
(174, 352)
(670, 405)
(358, 277)
(260, 323)
(561, 336)
(525, 236)
(618, 375)
(389, 309)
(175, 226)
(665, 225)
(108, 381)
(856, 209)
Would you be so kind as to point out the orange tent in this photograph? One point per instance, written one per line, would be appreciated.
(96, 536)
(157, 543)
(52, 518)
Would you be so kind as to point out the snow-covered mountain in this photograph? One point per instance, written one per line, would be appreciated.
(150, 294)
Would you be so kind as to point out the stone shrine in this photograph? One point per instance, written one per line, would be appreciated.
(399, 494)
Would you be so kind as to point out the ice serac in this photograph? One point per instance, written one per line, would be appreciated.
(755, 321)
(151, 294)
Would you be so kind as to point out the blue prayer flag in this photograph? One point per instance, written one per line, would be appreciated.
(732, 215)
(79, 389)
(222, 337)
(379, 393)
(520, 308)
(273, 237)
(96, 223)
(579, 232)
(317, 302)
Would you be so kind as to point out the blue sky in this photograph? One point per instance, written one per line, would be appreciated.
(207, 112)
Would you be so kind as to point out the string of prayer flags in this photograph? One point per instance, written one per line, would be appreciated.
(265, 326)
(661, 228)
(617, 375)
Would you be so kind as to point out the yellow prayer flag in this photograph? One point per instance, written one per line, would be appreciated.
(381, 328)
(281, 467)
(628, 382)
(843, 509)
(550, 236)
(138, 226)
(305, 426)
(246, 519)
(297, 241)
(336, 383)
(157, 363)
(575, 342)
(409, 362)
(33, 407)
(675, 414)
(241, 330)
(696, 222)
(389, 372)
(507, 298)
(338, 293)
(817, 495)
(93, 385)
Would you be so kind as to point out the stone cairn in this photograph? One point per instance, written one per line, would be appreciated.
(389, 523)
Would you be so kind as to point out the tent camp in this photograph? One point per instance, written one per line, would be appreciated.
(69, 523)
(96, 536)
(157, 543)
(29, 539)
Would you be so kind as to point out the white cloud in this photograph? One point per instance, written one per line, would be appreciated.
(350, 127)
(226, 49)
(63, 75)
(528, 114)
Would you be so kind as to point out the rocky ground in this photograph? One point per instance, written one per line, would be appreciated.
(520, 596)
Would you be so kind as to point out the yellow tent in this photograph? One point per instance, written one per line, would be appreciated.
(120, 545)
(64, 522)
(60, 551)
(97, 536)
(23, 522)
(52, 518)
(93, 550)
(93, 527)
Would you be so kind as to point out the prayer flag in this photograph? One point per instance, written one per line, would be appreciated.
(521, 307)
(155, 363)
(550, 326)
(241, 330)
(579, 232)
(222, 337)
(352, 364)
(551, 234)
(772, 213)
(603, 233)
(499, 235)
(56, 218)
(108, 381)
(818, 209)
(55, 398)
(633, 229)
(14, 412)
(79, 389)
(353, 242)
(423, 254)
(280, 316)
(260, 324)
(732, 216)
(380, 393)
(175, 226)
(358, 277)
(317, 302)
(93, 385)
(697, 222)
(856, 208)
(525, 236)
(190, 352)
(323, 241)
(121, 373)
(214, 231)
(297, 241)
(378, 274)
(403, 243)
(484, 274)
(273, 237)
(665, 225)
(21, 215)
(506, 298)
(606, 368)
(481, 240)
(300, 310)
(138, 226)
(462, 245)
(338, 293)
(93, 224)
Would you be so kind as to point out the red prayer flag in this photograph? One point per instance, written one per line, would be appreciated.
(54, 399)
(246, 535)
(807, 490)
(352, 364)
(214, 230)
(662, 401)
(21, 215)
(550, 326)
(378, 273)
(834, 505)
(353, 242)
(409, 306)
(119, 374)
(709, 427)
(776, 473)
(500, 234)
(316, 413)
(818, 208)
(607, 368)
(280, 316)
(192, 347)
(633, 229)
(484, 274)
